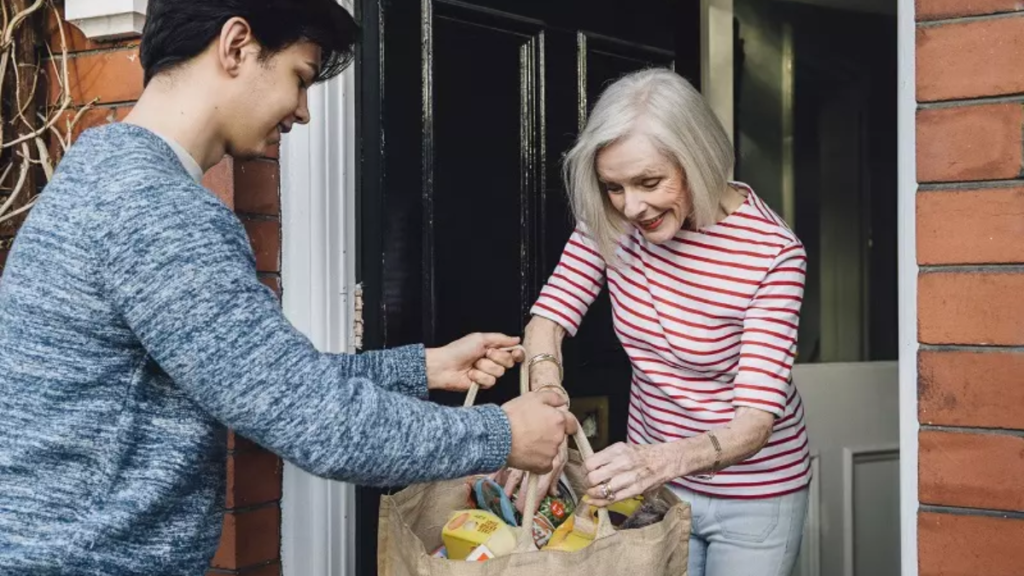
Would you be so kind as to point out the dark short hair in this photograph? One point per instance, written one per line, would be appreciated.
(178, 30)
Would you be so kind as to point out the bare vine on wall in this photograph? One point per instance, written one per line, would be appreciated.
(30, 127)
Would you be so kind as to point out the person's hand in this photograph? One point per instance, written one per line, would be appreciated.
(478, 358)
(539, 429)
(513, 478)
(622, 471)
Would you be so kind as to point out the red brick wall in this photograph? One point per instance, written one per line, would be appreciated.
(970, 248)
(110, 72)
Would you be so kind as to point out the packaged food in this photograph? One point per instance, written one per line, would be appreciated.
(556, 509)
(441, 552)
(623, 509)
(542, 530)
(480, 554)
(468, 529)
(490, 496)
(568, 539)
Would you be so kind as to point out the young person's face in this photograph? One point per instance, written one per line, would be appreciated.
(270, 97)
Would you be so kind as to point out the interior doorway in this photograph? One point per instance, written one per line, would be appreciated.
(815, 117)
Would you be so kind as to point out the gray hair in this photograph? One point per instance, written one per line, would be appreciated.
(679, 122)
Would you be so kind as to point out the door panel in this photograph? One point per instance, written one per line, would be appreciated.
(852, 415)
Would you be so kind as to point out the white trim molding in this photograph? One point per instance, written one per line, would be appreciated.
(106, 19)
(318, 271)
(907, 245)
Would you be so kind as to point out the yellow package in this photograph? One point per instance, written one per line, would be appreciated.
(620, 511)
(567, 539)
(468, 529)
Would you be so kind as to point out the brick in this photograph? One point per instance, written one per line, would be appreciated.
(238, 443)
(971, 470)
(971, 308)
(272, 569)
(249, 538)
(256, 187)
(114, 76)
(958, 545)
(981, 226)
(968, 388)
(965, 143)
(254, 477)
(937, 9)
(970, 59)
(220, 179)
(272, 281)
(265, 237)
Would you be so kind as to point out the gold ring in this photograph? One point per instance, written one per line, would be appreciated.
(606, 490)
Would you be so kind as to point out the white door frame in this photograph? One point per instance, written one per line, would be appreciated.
(907, 274)
(318, 276)
(318, 272)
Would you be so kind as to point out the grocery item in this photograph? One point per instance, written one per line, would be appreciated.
(480, 554)
(489, 495)
(468, 529)
(623, 509)
(651, 511)
(441, 552)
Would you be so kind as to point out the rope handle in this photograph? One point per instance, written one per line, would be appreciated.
(526, 543)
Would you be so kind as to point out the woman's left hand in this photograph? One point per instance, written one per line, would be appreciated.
(622, 471)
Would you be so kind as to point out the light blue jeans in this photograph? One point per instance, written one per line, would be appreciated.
(735, 537)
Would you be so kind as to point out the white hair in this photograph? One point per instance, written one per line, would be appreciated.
(667, 109)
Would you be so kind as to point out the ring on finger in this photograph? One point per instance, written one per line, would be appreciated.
(606, 490)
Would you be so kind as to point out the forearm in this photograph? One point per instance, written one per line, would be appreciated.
(401, 370)
(740, 439)
(542, 336)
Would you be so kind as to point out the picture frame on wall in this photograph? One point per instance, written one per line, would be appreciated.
(592, 414)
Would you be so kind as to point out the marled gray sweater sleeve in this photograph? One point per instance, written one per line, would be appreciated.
(181, 272)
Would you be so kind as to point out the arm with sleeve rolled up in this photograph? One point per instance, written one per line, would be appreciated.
(762, 387)
(564, 300)
(570, 290)
(183, 276)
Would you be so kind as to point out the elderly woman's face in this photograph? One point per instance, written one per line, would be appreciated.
(647, 188)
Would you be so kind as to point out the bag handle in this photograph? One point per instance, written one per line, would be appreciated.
(526, 543)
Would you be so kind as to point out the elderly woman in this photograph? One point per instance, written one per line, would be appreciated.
(706, 283)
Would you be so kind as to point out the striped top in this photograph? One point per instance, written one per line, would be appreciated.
(709, 322)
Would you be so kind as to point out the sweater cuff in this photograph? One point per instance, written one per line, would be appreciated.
(496, 439)
(406, 368)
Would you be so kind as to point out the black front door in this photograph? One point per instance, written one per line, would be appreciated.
(464, 111)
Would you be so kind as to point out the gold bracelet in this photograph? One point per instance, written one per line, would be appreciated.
(558, 388)
(545, 357)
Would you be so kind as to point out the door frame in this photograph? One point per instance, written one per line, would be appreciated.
(318, 271)
(319, 254)
(906, 154)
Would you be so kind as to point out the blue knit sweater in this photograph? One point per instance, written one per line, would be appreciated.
(133, 329)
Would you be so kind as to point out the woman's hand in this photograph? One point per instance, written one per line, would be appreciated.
(478, 358)
(622, 471)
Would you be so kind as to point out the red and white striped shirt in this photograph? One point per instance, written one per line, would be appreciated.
(709, 322)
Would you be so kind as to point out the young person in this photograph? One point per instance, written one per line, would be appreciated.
(134, 332)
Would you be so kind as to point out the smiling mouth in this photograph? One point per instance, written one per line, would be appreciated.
(651, 224)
